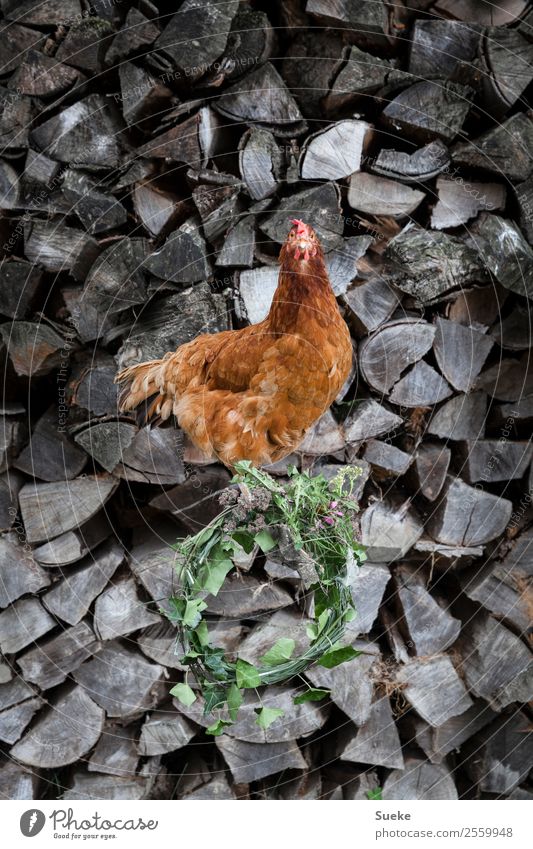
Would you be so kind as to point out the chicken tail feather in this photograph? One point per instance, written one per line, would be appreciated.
(143, 391)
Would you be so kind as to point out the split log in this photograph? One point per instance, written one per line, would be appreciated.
(16, 719)
(371, 303)
(462, 417)
(195, 501)
(420, 780)
(98, 212)
(422, 386)
(514, 332)
(165, 731)
(441, 48)
(506, 593)
(157, 210)
(524, 196)
(428, 624)
(309, 58)
(375, 195)
(507, 62)
(73, 545)
(107, 442)
(352, 685)
(490, 460)
(15, 43)
(260, 163)
(388, 351)
(15, 691)
(50, 509)
(252, 761)
(377, 741)
(341, 263)
(244, 597)
(205, 27)
(19, 285)
(95, 786)
(389, 530)
(153, 456)
(17, 782)
(324, 437)
(262, 99)
(508, 380)
(183, 257)
(92, 136)
(59, 248)
(504, 149)
(473, 12)
(460, 200)
(256, 291)
(86, 43)
(238, 248)
(23, 623)
(479, 307)
(68, 729)
(429, 110)
(359, 74)
(468, 516)
(10, 485)
(360, 18)
(19, 573)
(499, 757)
(135, 686)
(429, 264)
(218, 208)
(116, 752)
(367, 586)
(119, 611)
(136, 34)
(335, 152)
(143, 96)
(50, 455)
(153, 562)
(50, 662)
(320, 204)
(95, 389)
(16, 115)
(506, 252)
(283, 623)
(460, 352)
(437, 742)
(42, 76)
(13, 437)
(34, 349)
(370, 419)
(500, 683)
(192, 141)
(70, 599)
(430, 467)
(418, 167)
(433, 688)
(159, 643)
(386, 459)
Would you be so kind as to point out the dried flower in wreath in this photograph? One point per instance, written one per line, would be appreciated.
(313, 526)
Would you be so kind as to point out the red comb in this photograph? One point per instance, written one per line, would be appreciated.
(301, 227)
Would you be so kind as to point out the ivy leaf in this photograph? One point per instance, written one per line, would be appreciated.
(214, 661)
(265, 541)
(184, 694)
(311, 630)
(247, 675)
(312, 695)
(280, 652)
(245, 540)
(217, 728)
(193, 612)
(350, 614)
(202, 632)
(266, 716)
(234, 701)
(374, 795)
(337, 655)
(216, 572)
(214, 696)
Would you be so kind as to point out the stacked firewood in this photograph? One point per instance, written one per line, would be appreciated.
(150, 163)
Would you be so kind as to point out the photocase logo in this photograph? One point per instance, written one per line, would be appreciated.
(32, 822)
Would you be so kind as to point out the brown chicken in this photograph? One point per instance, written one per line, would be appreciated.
(252, 394)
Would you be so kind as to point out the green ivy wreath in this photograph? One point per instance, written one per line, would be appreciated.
(313, 525)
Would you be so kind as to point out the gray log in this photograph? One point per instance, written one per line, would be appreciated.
(377, 741)
(468, 516)
(389, 531)
(22, 623)
(492, 460)
(19, 573)
(164, 731)
(385, 354)
(14, 720)
(422, 386)
(253, 761)
(430, 468)
(434, 689)
(500, 755)
(368, 420)
(460, 200)
(375, 195)
(429, 110)
(119, 611)
(371, 303)
(50, 662)
(50, 455)
(503, 149)
(386, 458)
(420, 780)
(437, 742)
(17, 782)
(116, 752)
(73, 545)
(462, 417)
(460, 353)
(335, 152)
(430, 627)
(351, 684)
(417, 167)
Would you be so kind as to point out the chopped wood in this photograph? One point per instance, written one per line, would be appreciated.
(430, 467)
(137, 32)
(196, 500)
(19, 284)
(153, 456)
(460, 352)
(23, 623)
(485, 460)
(34, 349)
(358, 74)
(203, 26)
(50, 455)
(371, 303)
(335, 152)
(321, 204)
(367, 585)
(159, 643)
(511, 678)
(16, 719)
(462, 417)
(437, 742)
(116, 751)
(238, 249)
(506, 252)
(98, 212)
(95, 786)
(165, 731)
(524, 196)
(107, 442)
(262, 99)
(256, 291)
(260, 163)
(513, 332)
(440, 48)
(429, 626)
(73, 545)
(387, 459)
(459, 200)
(468, 516)
(472, 12)
(325, 437)
(423, 164)
(17, 782)
(421, 386)
(505, 592)
(377, 741)
(507, 58)
(244, 597)
(283, 623)
(51, 661)
(379, 196)
(420, 780)
(433, 688)
(119, 611)
(70, 599)
(135, 686)
(504, 149)
(508, 379)
(253, 761)
(370, 419)
(389, 530)
(351, 688)
(19, 573)
(500, 755)
(66, 731)
(59, 248)
(385, 354)
(50, 509)
(429, 110)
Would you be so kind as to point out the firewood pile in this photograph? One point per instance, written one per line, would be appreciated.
(150, 163)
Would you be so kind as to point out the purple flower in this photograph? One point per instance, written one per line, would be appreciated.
(329, 520)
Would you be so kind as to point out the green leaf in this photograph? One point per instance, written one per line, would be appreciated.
(247, 675)
(350, 614)
(204, 536)
(280, 652)
(214, 660)
(323, 620)
(215, 576)
(311, 630)
(234, 701)
(217, 728)
(193, 612)
(245, 540)
(184, 694)
(215, 697)
(312, 695)
(266, 716)
(265, 541)
(335, 656)
(202, 632)
(375, 794)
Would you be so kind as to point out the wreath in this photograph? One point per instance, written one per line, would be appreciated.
(312, 525)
